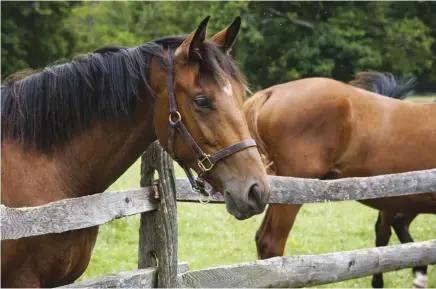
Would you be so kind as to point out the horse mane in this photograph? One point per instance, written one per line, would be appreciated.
(45, 109)
(251, 109)
(384, 83)
(108, 48)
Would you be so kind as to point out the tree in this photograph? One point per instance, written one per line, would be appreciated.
(291, 40)
(33, 34)
(279, 41)
(132, 23)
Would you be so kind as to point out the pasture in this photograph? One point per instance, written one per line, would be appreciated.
(209, 236)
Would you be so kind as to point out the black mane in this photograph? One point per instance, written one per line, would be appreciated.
(47, 108)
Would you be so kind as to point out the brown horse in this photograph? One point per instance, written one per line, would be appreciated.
(71, 130)
(322, 128)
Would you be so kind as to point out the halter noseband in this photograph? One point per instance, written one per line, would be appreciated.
(205, 161)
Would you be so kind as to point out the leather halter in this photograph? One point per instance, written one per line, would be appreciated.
(205, 161)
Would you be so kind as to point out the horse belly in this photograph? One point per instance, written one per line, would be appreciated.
(419, 203)
(47, 261)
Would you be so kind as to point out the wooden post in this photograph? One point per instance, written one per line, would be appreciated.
(158, 230)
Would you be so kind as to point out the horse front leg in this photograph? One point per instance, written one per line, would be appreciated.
(273, 232)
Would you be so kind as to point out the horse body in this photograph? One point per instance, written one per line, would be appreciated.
(322, 128)
(76, 170)
(335, 129)
(72, 130)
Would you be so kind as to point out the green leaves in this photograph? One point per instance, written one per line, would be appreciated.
(337, 39)
(279, 41)
(32, 34)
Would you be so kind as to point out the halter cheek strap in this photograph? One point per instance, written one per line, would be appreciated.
(205, 161)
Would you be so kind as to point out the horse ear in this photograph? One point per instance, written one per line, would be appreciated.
(226, 37)
(191, 46)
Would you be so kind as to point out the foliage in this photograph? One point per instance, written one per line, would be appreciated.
(337, 39)
(33, 34)
(132, 23)
(279, 41)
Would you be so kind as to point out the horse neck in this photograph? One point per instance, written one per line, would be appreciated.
(95, 161)
(98, 159)
(86, 165)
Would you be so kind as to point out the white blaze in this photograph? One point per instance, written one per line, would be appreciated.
(228, 88)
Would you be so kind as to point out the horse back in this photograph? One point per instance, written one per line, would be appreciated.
(317, 126)
(389, 136)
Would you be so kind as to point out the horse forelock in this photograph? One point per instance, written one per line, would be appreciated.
(213, 65)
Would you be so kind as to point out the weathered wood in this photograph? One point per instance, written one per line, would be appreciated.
(142, 278)
(185, 193)
(79, 213)
(148, 166)
(73, 214)
(288, 190)
(310, 270)
(158, 230)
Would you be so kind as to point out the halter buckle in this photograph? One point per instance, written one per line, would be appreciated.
(205, 163)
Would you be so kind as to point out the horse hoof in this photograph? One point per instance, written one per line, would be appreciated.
(420, 281)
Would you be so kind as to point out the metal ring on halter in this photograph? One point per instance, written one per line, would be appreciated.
(208, 197)
(175, 114)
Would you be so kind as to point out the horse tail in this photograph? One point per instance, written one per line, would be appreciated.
(384, 83)
(252, 109)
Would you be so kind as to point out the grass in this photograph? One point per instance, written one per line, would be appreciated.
(209, 236)
(422, 98)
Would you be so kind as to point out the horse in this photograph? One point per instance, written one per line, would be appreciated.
(322, 128)
(72, 129)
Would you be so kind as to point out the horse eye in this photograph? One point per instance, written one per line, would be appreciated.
(202, 102)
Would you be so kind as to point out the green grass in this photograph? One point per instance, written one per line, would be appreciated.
(209, 236)
(422, 98)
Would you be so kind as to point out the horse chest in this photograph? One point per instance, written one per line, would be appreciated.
(47, 261)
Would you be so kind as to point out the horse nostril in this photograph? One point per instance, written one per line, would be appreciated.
(255, 194)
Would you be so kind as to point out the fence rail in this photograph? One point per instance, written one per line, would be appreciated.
(85, 212)
(294, 272)
(141, 278)
(311, 270)
(73, 214)
(289, 190)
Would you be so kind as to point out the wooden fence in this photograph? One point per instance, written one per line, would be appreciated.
(157, 202)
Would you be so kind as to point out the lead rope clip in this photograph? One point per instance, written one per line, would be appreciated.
(199, 188)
